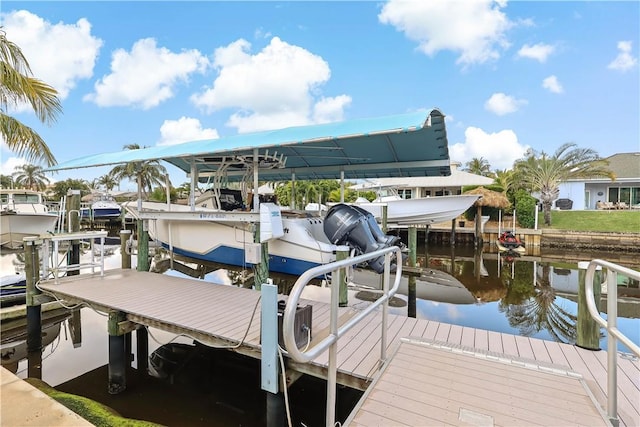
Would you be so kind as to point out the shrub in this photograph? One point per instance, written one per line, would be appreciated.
(525, 209)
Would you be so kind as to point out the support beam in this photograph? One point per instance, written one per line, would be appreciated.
(117, 367)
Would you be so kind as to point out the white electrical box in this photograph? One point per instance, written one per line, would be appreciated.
(253, 253)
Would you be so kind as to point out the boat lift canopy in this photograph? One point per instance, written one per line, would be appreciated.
(412, 144)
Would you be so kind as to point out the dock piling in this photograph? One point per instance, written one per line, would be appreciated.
(117, 354)
(342, 253)
(34, 310)
(142, 353)
(587, 329)
(124, 254)
(143, 245)
(413, 239)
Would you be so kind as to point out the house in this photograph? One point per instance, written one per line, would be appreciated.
(426, 186)
(586, 193)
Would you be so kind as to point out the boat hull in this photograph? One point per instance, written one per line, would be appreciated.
(503, 248)
(16, 226)
(302, 247)
(426, 210)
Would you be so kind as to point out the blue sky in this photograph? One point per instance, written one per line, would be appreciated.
(508, 75)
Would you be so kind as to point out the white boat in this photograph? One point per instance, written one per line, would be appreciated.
(23, 213)
(424, 210)
(226, 233)
(103, 207)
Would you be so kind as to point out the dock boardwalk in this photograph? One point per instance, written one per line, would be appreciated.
(222, 315)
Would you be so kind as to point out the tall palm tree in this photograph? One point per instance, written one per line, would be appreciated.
(145, 173)
(31, 177)
(478, 166)
(108, 181)
(543, 173)
(17, 87)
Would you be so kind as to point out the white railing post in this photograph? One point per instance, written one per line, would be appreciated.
(385, 308)
(613, 334)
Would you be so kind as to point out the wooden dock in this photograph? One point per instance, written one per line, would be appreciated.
(229, 316)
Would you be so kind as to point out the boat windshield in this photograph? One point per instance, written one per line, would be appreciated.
(25, 198)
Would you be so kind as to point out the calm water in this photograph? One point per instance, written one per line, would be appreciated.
(522, 296)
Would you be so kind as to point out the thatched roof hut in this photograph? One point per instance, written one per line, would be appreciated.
(489, 198)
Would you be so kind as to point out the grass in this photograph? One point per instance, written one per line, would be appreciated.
(606, 221)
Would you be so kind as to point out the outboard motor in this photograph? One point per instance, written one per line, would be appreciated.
(385, 239)
(351, 226)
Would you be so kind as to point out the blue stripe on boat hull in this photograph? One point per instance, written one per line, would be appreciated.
(235, 256)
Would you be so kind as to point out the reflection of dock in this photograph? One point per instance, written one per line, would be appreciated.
(223, 315)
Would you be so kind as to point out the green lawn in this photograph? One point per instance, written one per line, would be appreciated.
(612, 221)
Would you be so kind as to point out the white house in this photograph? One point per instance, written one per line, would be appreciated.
(585, 193)
(425, 186)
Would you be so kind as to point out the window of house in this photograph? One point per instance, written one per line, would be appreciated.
(629, 195)
(404, 193)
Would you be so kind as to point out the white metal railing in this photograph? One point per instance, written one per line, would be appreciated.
(57, 268)
(335, 332)
(613, 334)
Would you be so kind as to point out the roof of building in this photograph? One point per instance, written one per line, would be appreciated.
(458, 178)
(625, 165)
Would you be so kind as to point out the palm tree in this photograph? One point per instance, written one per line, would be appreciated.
(18, 87)
(504, 179)
(108, 181)
(145, 173)
(31, 177)
(478, 166)
(543, 173)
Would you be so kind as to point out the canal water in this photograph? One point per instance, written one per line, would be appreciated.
(197, 385)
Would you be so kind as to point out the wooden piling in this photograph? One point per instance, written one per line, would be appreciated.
(73, 205)
(588, 331)
(117, 368)
(411, 309)
(34, 312)
(125, 255)
(143, 245)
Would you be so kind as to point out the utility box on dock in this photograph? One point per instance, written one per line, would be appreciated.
(302, 324)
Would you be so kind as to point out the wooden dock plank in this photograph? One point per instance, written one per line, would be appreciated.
(445, 385)
(224, 312)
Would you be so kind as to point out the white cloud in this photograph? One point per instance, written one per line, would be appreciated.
(476, 29)
(183, 130)
(552, 84)
(625, 60)
(274, 88)
(59, 54)
(502, 104)
(500, 149)
(9, 164)
(145, 76)
(539, 52)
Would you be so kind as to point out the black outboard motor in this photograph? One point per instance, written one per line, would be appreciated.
(351, 226)
(385, 239)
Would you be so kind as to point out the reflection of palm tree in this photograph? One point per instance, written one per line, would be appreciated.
(542, 313)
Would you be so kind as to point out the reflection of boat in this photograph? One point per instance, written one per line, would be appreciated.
(508, 242)
(300, 239)
(424, 210)
(431, 285)
(102, 207)
(13, 346)
(23, 213)
(13, 289)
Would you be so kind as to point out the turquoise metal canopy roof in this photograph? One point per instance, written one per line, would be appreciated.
(413, 144)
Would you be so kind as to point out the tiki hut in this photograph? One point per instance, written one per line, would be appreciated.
(490, 198)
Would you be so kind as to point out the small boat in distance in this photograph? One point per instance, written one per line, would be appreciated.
(103, 207)
(23, 213)
(508, 242)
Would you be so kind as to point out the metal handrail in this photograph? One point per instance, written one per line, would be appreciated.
(57, 268)
(335, 332)
(613, 333)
